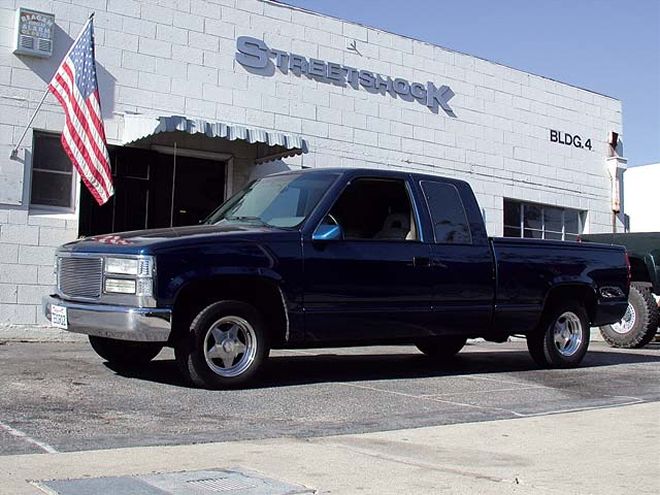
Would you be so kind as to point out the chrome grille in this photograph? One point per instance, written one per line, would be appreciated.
(80, 276)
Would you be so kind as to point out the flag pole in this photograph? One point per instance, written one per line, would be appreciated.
(14, 151)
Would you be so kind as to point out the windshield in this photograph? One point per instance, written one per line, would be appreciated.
(277, 201)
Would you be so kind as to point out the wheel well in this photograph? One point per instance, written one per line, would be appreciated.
(639, 271)
(579, 293)
(261, 293)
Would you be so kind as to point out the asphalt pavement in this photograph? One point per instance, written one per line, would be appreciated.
(61, 397)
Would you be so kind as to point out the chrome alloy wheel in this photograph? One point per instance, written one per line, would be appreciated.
(626, 323)
(567, 333)
(230, 346)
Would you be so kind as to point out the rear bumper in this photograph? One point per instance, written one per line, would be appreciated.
(115, 322)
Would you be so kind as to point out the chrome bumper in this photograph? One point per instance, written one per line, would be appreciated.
(116, 322)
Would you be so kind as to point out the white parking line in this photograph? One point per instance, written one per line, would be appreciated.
(25, 437)
(633, 400)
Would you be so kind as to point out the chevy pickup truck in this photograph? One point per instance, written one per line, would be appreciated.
(639, 324)
(332, 257)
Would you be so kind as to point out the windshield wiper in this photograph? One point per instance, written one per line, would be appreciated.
(245, 218)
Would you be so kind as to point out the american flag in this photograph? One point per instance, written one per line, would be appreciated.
(83, 138)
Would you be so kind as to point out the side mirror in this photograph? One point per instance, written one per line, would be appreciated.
(325, 232)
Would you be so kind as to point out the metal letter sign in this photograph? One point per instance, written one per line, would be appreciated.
(257, 57)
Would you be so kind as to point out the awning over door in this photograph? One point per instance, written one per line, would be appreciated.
(270, 145)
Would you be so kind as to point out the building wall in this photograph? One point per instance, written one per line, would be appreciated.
(177, 58)
(640, 185)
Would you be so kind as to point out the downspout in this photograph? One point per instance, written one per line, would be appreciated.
(616, 166)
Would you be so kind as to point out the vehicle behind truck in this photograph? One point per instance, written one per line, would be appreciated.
(639, 325)
(333, 257)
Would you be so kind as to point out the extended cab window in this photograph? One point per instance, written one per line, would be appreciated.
(375, 209)
(450, 225)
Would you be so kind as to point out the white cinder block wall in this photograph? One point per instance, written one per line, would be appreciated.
(177, 58)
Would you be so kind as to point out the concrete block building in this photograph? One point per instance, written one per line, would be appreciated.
(200, 96)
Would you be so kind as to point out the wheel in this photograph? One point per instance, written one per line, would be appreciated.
(562, 338)
(225, 347)
(640, 323)
(442, 347)
(125, 352)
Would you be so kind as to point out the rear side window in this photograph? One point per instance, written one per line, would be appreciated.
(450, 225)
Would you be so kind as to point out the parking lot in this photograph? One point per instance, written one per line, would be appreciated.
(63, 398)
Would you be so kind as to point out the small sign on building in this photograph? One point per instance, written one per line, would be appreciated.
(35, 32)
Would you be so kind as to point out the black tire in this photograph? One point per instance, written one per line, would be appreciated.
(125, 352)
(208, 363)
(640, 323)
(548, 352)
(442, 347)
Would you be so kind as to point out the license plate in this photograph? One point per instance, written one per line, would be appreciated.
(58, 316)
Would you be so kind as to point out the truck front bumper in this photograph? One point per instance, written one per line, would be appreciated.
(115, 322)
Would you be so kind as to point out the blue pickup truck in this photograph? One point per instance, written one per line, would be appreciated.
(333, 257)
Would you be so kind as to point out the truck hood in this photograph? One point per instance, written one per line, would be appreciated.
(149, 241)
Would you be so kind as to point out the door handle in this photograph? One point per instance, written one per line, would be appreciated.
(421, 261)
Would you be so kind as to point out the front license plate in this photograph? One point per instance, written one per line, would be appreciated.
(58, 316)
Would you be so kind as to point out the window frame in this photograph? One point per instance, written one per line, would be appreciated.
(581, 220)
(73, 200)
(411, 199)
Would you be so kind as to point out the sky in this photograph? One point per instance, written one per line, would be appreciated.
(607, 46)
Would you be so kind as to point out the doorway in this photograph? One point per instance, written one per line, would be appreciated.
(154, 190)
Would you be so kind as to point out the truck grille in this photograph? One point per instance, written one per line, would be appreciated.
(80, 277)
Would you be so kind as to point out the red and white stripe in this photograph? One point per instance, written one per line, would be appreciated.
(83, 137)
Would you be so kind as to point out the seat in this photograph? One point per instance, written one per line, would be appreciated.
(395, 227)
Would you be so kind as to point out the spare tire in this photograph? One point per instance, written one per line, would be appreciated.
(640, 323)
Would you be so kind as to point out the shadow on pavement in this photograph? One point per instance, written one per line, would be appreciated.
(283, 371)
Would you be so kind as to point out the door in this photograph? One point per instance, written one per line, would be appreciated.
(185, 190)
(373, 284)
(461, 266)
(153, 190)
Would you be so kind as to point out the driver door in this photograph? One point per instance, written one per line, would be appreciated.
(372, 282)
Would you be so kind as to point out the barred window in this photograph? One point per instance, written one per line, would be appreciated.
(52, 173)
(542, 221)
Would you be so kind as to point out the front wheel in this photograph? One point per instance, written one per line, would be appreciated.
(225, 347)
(562, 338)
(124, 352)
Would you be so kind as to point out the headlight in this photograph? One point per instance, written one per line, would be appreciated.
(138, 267)
(119, 286)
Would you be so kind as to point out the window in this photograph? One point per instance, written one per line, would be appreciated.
(450, 225)
(279, 200)
(375, 209)
(52, 173)
(541, 221)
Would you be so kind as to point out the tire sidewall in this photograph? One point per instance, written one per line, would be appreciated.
(645, 325)
(552, 355)
(198, 369)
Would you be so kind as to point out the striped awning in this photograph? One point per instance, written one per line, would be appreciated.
(270, 145)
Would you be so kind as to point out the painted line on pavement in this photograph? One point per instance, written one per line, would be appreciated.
(27, 438)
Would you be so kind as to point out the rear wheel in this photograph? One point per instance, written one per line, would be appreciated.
(225, 347)
(640, 323)
(442, 347)
(562, 338)
(125, 352)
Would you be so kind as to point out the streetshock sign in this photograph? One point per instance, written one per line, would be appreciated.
(256, 56)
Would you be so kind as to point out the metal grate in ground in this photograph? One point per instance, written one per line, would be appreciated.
(206, 482)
